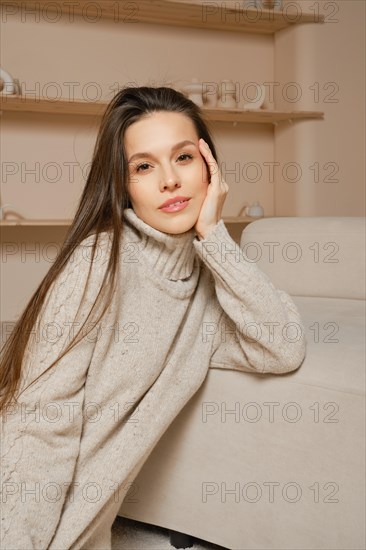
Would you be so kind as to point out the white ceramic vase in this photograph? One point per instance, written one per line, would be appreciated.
(259, 99)
(255, 210)
(194, 92)
(8, 83)
(227, 95)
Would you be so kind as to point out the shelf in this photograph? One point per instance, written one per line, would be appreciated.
(30, 104)
(242, 219)
(258, 116)
(34, 223)
(229, 15)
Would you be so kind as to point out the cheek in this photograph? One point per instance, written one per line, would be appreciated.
(143, 194)
(203, 176)
(135, 194)
(135, 186)
(201, 190)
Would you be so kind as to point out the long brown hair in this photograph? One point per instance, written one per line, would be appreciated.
(101, 206)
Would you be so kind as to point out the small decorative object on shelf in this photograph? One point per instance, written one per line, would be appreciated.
(258, 101)
(227, 95)
(2, 211)
(11, 216)
(253, 211)
(209, 90)
(194, 91)
(7, 84)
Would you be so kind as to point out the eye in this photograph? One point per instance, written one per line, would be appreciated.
(143, 164)
(185, 155)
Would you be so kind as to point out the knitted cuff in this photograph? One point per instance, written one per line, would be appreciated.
(223, 255)
(212, 243)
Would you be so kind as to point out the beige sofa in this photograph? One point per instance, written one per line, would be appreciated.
(277, 461)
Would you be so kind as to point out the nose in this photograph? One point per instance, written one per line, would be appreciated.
(169, 180)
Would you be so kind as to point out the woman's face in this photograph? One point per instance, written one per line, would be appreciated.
(161, 167)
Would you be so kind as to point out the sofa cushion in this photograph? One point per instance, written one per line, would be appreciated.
(335, 334)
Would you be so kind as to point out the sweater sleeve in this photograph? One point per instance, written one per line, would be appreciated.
(40, 434)
(260, 329)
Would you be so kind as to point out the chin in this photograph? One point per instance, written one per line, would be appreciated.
(177, 224)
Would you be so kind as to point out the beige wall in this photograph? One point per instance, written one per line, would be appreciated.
(99, 57)
(327, 63)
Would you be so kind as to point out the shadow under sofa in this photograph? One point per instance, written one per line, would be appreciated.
(263, 461)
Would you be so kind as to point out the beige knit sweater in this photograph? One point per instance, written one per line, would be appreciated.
(82, 432)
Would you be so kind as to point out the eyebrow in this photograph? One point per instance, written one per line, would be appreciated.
(176, 146)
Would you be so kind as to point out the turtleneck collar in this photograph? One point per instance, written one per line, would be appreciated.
(172, 256)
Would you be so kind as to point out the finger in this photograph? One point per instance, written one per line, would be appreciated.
(211, 161)
(205, 148)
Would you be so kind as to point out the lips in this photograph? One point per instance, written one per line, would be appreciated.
(174, 200)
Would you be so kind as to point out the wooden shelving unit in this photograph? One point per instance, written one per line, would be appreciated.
(229, 15)
(30, 104)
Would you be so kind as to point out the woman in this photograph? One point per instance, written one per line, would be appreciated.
(143, 298)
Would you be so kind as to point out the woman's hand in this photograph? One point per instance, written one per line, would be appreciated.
(217, 190)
